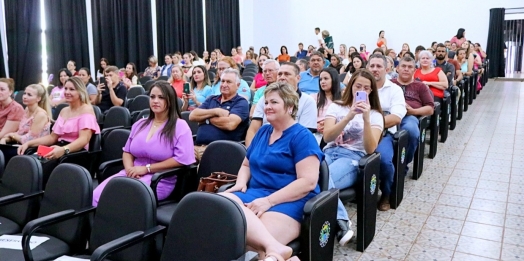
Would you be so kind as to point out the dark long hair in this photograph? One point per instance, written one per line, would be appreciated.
(88, 74)
(335, 89)
(173, 112)
(58, 78)
(352, 69)
(130, 77)
(374, 101)
(460, 33)
(100, 69)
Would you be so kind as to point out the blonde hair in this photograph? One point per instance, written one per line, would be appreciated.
(80, 87)
(172, 77)
(44, 98)
(288, 95)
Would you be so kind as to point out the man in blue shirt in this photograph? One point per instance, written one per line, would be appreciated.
(224, 116)
(309, 79)
(301, 53)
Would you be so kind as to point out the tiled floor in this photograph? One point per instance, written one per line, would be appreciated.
(469, 202)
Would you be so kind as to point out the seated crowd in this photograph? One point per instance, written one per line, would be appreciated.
(351, 104)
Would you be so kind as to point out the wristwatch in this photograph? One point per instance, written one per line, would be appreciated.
(148, 167)
(66, 150)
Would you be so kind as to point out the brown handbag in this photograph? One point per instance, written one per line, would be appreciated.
(215, 181)
(199, 151)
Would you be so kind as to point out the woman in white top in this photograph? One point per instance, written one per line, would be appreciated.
(329, 91)
(352, 129)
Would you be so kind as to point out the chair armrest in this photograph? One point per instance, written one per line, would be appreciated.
(179, 172)
(109, 168)
(110, 164)
(14, 198)
(124, 242)
(32, 226)
(106, 130)
(225, 187)
(317, 200)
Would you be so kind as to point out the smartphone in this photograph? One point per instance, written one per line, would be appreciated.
(361, 96)
(103, 80)
(187, 89)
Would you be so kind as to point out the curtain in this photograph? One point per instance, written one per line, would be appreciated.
(180, 26)
(495, 46)
(2, 66)
(222, 25)
(122, 31)
(23, 41)
(66, 34)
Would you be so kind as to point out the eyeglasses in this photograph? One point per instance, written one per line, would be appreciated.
(268, 71)
(223, 68)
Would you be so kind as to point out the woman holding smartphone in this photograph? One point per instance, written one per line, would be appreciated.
(197, 90)
(352, 128)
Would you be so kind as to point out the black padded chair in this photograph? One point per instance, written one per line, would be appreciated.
(460, 105)
(144, 79)
(142, 115)
(20, 191)
(365, 194)
(125, 206)
(400, 143)
(2, 164)
(453, 91)
(211, 75)
(342, 76)
(445, 109)
(113, 142)
(220, 155)
(418, 161)
(116, 117)
(86, 159)
(467, 91)
(135, 91)
(434, 130)
(147, 85)
(192, 125)
(293, 59)
(99, 115)
(58, 109)
(139, 103)
(188, 236)
(162, 78)
(68, 192)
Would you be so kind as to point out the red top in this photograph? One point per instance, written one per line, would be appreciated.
(178, 85)
(430, 77)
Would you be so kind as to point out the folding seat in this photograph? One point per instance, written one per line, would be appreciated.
(20, 191)
(135, 91)
(460, 106)
(144, 79)
(418, 160)
(139, 103)
(434, 130)
(400, 143)
(68, 195)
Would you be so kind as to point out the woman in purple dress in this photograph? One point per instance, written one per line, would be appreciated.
(160, 142)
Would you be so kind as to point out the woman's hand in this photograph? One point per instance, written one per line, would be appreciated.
(3, 141)
(237, 187)
(127, 82)
(21, 149)
(100, 87)
(136, 171)
(185, 97)
(364, 108)
(320, 126)
(56, 153)
(259, 206)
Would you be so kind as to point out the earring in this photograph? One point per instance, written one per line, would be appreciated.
(289, 111)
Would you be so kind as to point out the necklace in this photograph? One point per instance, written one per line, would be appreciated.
(156, 123)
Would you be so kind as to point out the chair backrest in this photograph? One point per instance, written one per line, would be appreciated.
(148, 84)
(98, 114)
(117, 116)
(192, 125)
(113, 142)
(144, 79)
(342, 76)
(140, 102)
(323, 177)
(69, 187)
(126, 205)
(23, 174)
(180, 103)
(135, 91)
(162, 78)
(193, 235)
(56, 111)
(143, 114)
(95, 143)
(19, 97)
(2, 164)
(211, 75)
(222, 155)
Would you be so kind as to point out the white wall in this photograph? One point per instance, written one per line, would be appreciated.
(288, 22)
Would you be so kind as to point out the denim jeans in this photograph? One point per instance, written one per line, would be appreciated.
(387, 169)
(343, 172)
(410, 124)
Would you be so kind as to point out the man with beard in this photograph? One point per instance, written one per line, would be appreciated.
(419, 102)
(447, 68)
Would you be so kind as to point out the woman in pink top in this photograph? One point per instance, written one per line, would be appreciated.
(329, 91)
(460, 38)
(73, 128)
(259, 81)
(167, 133)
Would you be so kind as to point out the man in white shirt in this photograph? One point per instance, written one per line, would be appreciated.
(307, 108)
(393, 103)
(320, 40)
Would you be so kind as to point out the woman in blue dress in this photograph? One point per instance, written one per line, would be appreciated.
(278, 176)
